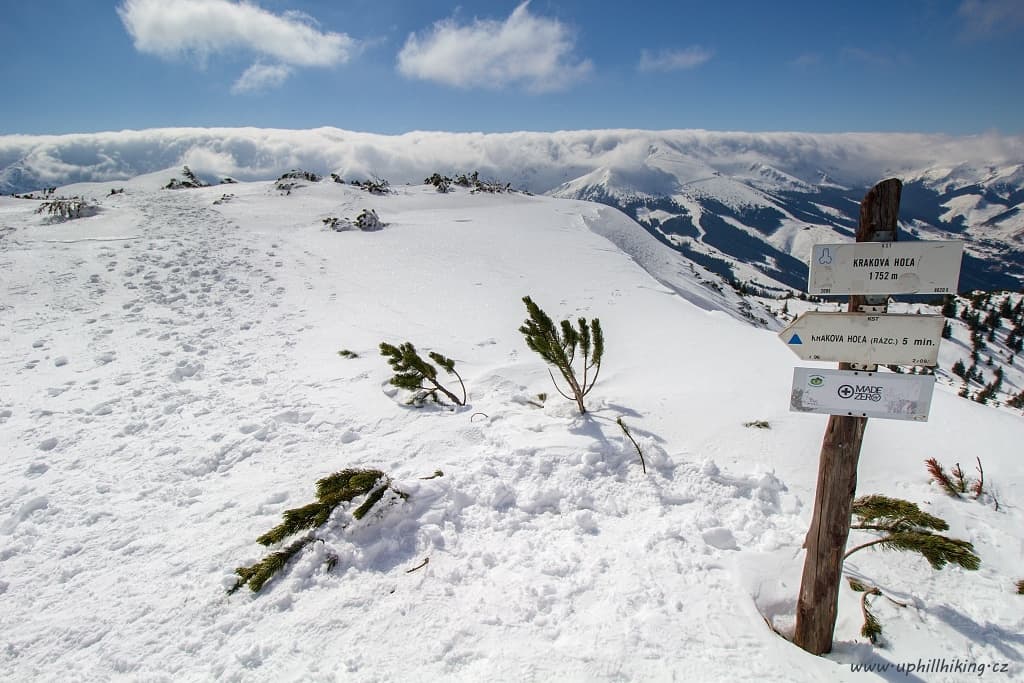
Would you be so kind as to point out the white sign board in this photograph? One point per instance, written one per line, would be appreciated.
(865, 338)
(862, 394)
(923, 267)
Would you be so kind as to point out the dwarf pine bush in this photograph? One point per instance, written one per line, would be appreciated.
(376, 185)
(575, 351)
(415, 374)
(368, 220)
(331, 491)
(441, 183)
(903, 526)
(64, 209)
(191, 181)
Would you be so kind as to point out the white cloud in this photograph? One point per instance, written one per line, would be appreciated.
(986, 17)
(173, 28)
(260, 77)
(524, 50)
(674, 60)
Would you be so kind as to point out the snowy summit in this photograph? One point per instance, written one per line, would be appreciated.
(182, 366)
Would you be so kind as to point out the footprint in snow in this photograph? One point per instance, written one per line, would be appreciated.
(720, 537)
(36, 469)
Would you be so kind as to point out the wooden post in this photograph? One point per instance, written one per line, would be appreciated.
(837, 466)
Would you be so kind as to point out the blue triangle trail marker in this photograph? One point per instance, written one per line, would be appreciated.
(795, 339)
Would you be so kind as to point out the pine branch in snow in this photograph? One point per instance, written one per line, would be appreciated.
(261, 572)
(625, 430)
(978, 487)
(882, 513)
(940, 477)
(906, 527)
(959, 479)
(331, 491)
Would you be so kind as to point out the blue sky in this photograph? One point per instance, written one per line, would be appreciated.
(391, 66)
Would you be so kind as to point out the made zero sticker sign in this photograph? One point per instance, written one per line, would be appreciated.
(862, 394)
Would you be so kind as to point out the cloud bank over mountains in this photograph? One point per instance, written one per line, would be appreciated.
(538, 162)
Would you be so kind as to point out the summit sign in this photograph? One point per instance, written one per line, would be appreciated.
(924, 267)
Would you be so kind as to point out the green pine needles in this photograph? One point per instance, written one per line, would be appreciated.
(904, 526)
(419, 376)
(331, 491)
(575, 351)
(1020, 587)
(261, 572)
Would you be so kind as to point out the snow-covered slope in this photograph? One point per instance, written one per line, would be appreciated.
(170, 384)
(744, 205)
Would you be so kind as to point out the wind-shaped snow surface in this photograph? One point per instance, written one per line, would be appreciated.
(171, 384)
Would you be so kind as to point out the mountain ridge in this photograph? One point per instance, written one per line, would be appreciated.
(745, 205)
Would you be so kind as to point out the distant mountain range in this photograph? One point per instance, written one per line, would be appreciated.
(764, 219)
(747, 206)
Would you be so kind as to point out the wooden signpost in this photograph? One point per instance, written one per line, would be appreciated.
(858, 356)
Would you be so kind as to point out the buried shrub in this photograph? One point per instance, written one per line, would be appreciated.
(191, 181)
(904, 526)
(331, 491)
(956, 483)
(65, 209)
(299, 174)
(440, 182)
(368, 220)
(575, 351)
(375, 186)
(415, 374)
(293, 180)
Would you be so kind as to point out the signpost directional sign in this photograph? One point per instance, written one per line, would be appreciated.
(921, 267)
(862, 394)
(864, 338)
